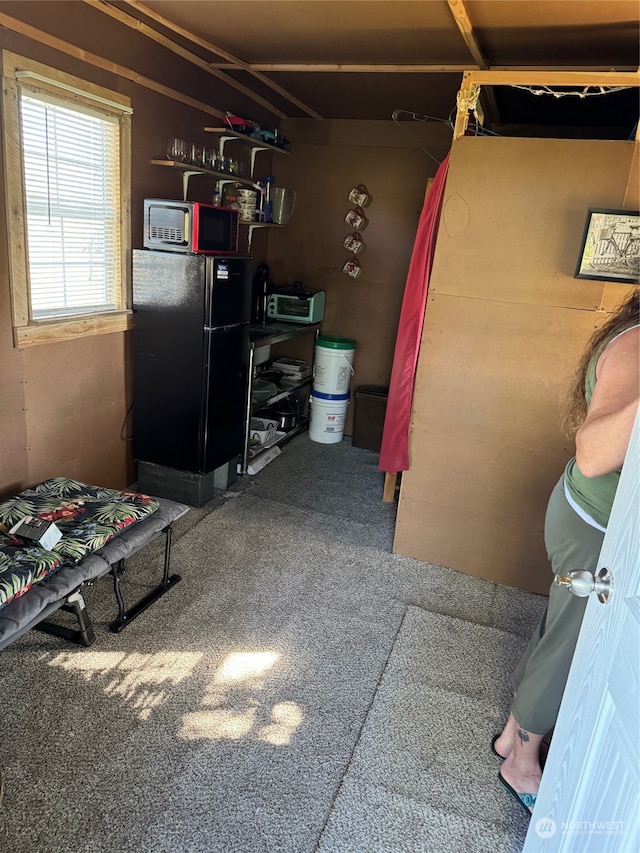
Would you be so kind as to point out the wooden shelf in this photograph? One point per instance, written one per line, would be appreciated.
(250, 140)
(227, 135)
(188, 170)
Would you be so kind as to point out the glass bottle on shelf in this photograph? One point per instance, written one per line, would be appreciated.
(267, 206)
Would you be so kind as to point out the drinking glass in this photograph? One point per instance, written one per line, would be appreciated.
(176, 149)
(208, 157)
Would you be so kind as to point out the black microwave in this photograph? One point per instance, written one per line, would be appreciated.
(189, 226)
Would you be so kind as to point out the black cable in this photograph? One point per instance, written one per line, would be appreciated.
(124, 423)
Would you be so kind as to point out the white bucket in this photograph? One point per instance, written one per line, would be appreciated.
(328, 414)
(332, 364)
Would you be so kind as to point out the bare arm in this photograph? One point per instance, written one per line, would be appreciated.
(603, 438)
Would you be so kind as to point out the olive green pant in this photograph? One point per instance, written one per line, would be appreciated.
(540, 677)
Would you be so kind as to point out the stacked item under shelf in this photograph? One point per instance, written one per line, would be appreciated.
(268, 426)
(294, 371)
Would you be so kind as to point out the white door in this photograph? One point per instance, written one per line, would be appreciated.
(589, 800)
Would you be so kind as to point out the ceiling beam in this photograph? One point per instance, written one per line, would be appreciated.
(537, 77)
(463, 23)
(595, 69)
(234, 62)
(354, 69)
(96, 61)
(404, 69)
(149, 32)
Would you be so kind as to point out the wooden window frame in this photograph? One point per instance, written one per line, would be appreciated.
(27, 331)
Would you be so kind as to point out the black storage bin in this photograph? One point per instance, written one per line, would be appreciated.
(368, 416)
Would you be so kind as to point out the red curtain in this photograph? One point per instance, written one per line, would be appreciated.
(394, 451)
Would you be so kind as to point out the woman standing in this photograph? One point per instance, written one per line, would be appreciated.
(603, 408)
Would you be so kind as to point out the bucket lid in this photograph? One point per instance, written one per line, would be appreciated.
(330, 342)
(322, 396)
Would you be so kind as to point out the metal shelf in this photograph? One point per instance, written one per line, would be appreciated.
(287, 392)
(280, 438)
(272, 333)
(277, 332)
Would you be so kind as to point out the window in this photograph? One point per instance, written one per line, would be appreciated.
(67, 161)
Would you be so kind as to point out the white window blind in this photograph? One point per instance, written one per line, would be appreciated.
(71, 166)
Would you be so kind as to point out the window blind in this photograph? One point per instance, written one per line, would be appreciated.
(72, 193)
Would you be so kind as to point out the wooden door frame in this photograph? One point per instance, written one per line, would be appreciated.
(472, 81)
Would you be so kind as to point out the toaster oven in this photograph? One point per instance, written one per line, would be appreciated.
(296, 308)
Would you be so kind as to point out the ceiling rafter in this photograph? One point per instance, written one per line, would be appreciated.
(233, 62)
(355, 69)
(414, 69)
(149, 32)
(463, 22)
(101, 62)
(555, 77)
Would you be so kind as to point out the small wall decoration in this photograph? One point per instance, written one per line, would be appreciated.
(359, 196)
(610, 246)
(356, 218)
(352, 268)
(354, 242)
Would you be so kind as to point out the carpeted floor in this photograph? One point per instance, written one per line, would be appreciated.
(301, 689)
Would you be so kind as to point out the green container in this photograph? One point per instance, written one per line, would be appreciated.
(330, 342)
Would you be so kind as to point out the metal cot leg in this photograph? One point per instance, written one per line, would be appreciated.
(117, 570)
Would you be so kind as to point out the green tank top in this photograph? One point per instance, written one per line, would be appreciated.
(594, 495)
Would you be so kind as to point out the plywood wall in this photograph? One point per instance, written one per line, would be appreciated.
(504, 327)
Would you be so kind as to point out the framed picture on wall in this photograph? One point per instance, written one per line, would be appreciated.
(610, 246)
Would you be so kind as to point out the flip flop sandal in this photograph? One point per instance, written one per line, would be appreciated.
(543, 757)
(527, 801)
(493, 748)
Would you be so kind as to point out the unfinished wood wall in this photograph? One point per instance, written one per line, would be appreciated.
(63, 406)
(329, 158)
(504, 327)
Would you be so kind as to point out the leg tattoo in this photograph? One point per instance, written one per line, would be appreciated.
(522, 735)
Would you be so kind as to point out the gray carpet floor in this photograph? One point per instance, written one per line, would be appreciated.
(301, 689)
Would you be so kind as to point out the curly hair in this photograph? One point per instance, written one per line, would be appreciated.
(626, 315)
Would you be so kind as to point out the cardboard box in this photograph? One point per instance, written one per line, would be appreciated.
(38, 531)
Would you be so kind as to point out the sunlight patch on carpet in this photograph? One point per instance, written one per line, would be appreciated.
(240, 666)
(143, 681)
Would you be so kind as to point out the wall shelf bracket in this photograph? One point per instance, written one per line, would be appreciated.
(185, 182)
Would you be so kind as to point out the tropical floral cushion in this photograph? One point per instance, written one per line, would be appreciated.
(87, 516)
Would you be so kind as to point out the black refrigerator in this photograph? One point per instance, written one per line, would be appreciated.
(190, 366)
